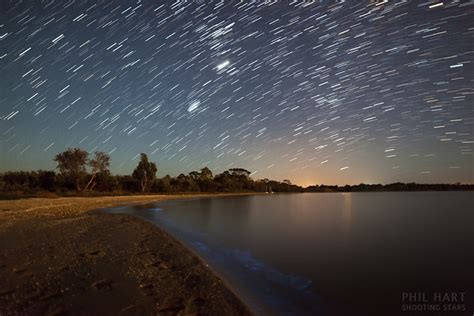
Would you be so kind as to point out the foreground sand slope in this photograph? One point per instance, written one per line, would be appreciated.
(58, 257)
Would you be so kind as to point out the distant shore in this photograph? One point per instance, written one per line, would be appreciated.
(59, 256)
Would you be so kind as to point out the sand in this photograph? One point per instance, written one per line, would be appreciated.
(63, 257)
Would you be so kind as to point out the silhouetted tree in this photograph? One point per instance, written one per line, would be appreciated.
(205, 180)
(162, 185)
(19, 181)
(239, 172)
(126, 183)
(195, 176)
(100, 165)
(206, 174)
(183, 183)
(259, 186)
(47, 180)
(145, 172)
(225, 182)
(72, 165)
(105, 182)
(268, 188)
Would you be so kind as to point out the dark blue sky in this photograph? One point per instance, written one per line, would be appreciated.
(322, 92)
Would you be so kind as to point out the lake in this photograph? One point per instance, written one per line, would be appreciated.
(331, 253)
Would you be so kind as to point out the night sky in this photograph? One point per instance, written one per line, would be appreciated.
(328, 92)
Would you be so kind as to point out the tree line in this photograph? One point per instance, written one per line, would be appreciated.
(392, 187)
(78, 172)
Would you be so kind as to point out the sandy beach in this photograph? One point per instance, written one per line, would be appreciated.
(62, 257)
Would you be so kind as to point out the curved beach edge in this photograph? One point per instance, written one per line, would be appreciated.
(62, 256)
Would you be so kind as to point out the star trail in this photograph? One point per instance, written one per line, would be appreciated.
(313, 91)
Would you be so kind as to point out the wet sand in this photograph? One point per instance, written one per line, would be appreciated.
(60, 257)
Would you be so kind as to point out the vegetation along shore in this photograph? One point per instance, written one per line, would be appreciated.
(81, 175)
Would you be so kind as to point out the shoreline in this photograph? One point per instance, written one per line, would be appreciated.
(67, 255)
(189, 248)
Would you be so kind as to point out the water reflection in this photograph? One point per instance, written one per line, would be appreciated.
(305, 254)
(346, 213)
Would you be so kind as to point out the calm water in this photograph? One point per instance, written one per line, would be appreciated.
(331, 253)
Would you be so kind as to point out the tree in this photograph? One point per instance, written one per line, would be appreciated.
(100, 165)
(126, 183)
(267, 185)
(195, 175)
(47, 180)
(225, 182)
(72, 165)
(183, 183)
(206, 174)
(162, 185)
(145, 172)
(240, 172)
(205, 180)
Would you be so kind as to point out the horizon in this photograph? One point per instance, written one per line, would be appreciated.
(258, 179)
(313, 93)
